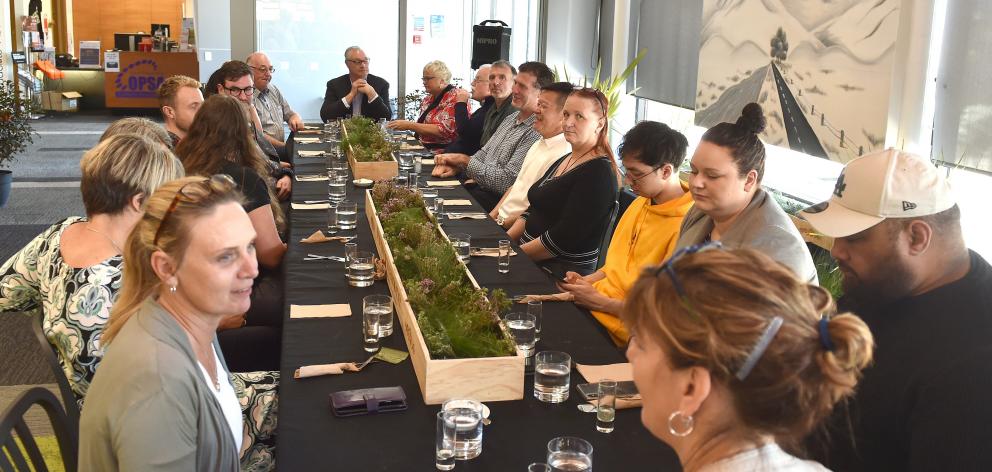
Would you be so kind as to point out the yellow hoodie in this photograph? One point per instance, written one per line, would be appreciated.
(645, 235)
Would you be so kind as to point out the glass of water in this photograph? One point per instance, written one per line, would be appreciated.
(439, 209)
(444, 444)
(361, 269)
(370, 330)
(503, 259)
(539, 467)
(606, 405)
(552, 373)
(383, 306)
(466, 415)
(401, 180)
(405, 161)
(413, 179)
(429, 194)
(339, 162)
(462, 244)
(569, 453)
(346, 215)
(521, 326)
(536, 308)
(336, 185)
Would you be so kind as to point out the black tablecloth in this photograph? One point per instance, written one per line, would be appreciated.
(310, 437)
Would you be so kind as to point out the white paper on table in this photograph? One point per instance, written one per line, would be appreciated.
(311, 206)
(443, 183)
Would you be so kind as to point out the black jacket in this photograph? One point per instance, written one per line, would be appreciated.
(339, 87)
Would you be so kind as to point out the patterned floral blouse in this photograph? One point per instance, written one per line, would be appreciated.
(443, 116)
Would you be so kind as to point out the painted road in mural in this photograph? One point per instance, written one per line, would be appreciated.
(801, 135)
(731, 102)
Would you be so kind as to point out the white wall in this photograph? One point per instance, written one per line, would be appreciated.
(571, 37)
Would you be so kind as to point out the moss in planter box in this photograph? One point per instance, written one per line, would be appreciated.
(366, 140)
(456, 319)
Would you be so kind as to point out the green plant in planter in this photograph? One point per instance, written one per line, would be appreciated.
(366, 140)
(456, 319)
(610, 86)
(828, 272)
(15, 133)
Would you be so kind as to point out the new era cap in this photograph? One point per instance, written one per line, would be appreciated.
(880, 185)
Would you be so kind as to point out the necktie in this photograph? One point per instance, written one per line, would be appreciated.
(356, 104)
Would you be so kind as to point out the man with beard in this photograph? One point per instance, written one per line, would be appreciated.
(928, 301)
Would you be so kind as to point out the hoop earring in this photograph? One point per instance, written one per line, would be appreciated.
(680, 420)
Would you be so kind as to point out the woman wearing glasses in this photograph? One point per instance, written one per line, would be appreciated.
(573, 205)
(436, 127)
(191, 262)
(731, 206)
(651, 153)
(734, 357)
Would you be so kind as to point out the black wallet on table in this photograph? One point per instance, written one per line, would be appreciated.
(368, 400)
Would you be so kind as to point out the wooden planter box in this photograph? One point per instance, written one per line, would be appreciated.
(483, 379)
(381, 170)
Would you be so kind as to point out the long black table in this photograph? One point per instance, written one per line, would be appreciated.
(310, 437)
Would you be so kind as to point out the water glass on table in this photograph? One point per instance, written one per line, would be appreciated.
(521, 326)
(536, 308)
(444, 441)
(503, 257)
(337, 183)
(438, 208)
(346, 215)
(606, 405)
(370, 330)
(361, 269)
(466, 415)
(429, 194)
(402, 181)
(552, 374)
(463, 246)
(539, 467)
(404, 161)
(569, 453)
(339, 162)
(382, 305)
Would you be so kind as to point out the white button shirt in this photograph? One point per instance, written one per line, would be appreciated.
(539, 158)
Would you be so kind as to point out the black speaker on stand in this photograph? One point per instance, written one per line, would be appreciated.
(490, 43)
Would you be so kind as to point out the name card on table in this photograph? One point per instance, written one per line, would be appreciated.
(427, 161)
(307, 140)
(443, 183)
(311, 206)
(456, 202)
(310, 178)
(312, 153)
(319, 311)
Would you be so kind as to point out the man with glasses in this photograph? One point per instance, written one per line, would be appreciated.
(469, 124)
(273, 109)
(356, 93)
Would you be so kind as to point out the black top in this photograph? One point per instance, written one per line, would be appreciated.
(339, 87)
(253, 187)
(571, 213)
(469, 127)
(927, 399)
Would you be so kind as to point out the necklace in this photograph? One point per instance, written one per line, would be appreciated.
(101, 233)
(572, 162)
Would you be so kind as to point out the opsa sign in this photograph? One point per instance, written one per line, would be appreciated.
(139, 79)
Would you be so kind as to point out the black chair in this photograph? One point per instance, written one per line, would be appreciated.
(12, 456)
(624, 199)
(70, 407)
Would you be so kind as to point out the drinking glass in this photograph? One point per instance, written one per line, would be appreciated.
(535, 307)
(444, 443)
(381, 305)
(569, 453)
(428, 194)
(552, 373)
(439, 209)
(462, 244)
(405, 161)
(401, 180)
(503, 258)
(370, 330)
(606, 405)
(539, 467)
(339, 162)
(349, 251)
(337, 182)
(346, 215)
(361, 269)
(466, 415)
(413, 179)
(521, 326)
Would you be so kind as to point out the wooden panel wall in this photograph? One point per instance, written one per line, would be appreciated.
(99, 19)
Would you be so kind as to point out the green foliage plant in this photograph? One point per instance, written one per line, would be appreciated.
(15, 127)
(458, 321)
(367, 141)
(610, 86)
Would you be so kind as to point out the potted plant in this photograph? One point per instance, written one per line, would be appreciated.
(15, 134)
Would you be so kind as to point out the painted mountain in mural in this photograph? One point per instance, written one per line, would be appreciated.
(829, 95)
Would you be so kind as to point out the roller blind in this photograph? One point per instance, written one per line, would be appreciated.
(670, 30)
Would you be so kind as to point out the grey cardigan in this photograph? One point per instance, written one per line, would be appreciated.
(149, 407)
(762, 226)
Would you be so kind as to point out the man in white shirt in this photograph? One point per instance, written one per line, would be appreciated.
(548, 149)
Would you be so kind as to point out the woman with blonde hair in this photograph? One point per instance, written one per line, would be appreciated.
(140, 126)
(734, 356)
(435, 127)
(191, 263)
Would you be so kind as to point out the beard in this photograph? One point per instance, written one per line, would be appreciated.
(888, 281)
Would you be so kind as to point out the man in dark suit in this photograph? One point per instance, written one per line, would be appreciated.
(357, 92)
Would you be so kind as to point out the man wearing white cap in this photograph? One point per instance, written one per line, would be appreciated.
(926, 404)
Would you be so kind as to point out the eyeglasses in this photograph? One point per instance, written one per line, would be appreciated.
(634, 180)
(669, 268)
(358, 62)
(425, 79)
(215, 184)
(240, 91)
(270, 69)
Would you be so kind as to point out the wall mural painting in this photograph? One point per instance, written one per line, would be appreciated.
(821, 69)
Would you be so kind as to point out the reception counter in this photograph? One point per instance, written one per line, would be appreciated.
(140, 75)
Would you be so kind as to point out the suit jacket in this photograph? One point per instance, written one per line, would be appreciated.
(339, 87)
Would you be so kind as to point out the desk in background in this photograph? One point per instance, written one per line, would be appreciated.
(140, 75)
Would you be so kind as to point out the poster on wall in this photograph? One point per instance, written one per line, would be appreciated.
(821, 70)
(112, 61)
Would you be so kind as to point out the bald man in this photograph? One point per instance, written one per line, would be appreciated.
(273, 110)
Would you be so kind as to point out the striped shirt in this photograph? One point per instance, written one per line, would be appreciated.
(496, 165)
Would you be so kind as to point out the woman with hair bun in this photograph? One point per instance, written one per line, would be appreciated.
(735, 358)
(730, 205)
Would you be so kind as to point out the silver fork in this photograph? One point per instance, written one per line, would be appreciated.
(314, 257)
(368, 361)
